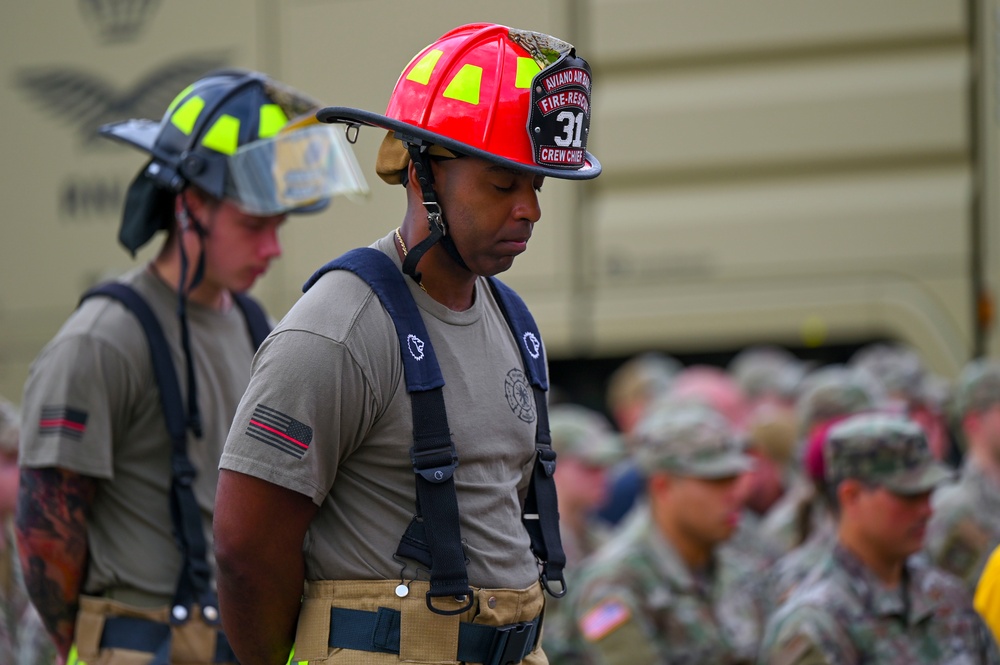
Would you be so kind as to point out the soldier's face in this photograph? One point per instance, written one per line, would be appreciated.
(718, 504)
(894, 524)
(987, 430)
(581, 486)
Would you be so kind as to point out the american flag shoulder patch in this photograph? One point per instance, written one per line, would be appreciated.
(280, 431)
(603, 619)
(62, 420)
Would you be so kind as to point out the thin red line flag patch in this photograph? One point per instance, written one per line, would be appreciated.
(61, 420)
(280, 431)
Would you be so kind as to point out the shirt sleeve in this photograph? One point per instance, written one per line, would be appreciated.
(308, 405)
(77, 401)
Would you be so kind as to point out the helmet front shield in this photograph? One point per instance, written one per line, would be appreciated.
(294, 170)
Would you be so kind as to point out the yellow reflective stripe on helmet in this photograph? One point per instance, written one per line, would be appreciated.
(178, 98)
(527, 68)
(185, 116)
(421, 72)
(272, 119)
(74, 658)
(465, 86)
(224, 135)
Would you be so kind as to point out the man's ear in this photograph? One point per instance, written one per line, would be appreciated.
(659, 483)
(848, 493)
(972, 424)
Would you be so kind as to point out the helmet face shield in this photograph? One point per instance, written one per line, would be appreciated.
(293, 170)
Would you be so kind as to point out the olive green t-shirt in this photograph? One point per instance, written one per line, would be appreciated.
(327, 415)
(91, 405)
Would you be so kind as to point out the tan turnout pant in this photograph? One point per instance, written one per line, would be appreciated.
(192, 643)
(425, 637)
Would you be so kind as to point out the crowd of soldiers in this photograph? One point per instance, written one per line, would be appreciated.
(778, 512)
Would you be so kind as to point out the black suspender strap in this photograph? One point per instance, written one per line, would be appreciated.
(257, 323)
(194, 583)
(434, 537)
(541, 509)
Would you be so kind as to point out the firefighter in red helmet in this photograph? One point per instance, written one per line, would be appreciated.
(392, 449)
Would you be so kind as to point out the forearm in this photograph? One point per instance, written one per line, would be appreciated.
(259, 529)
(51, 527)
(245, 587)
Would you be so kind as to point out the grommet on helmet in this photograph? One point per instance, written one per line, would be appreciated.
(513, 97)
(228, 135)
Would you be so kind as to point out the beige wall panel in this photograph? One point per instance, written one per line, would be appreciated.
(624, 30)
(729, 264)
(782, 114)
(802, 312)
(906, 219)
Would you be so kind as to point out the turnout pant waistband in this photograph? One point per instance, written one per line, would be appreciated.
(379, 632)
(150, 636)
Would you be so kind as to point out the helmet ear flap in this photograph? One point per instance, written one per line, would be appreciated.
(148, 209)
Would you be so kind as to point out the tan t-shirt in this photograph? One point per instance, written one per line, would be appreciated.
(327, 414)
(91, 405)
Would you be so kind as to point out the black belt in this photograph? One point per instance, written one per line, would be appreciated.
(152, 637)
(379, 632)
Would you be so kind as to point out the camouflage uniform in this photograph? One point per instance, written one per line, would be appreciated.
(966, 523)
(637, 601)
(797, 566)
(846, 615)
(583, 435)
(843, 613)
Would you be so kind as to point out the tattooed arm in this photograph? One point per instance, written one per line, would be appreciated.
(52, 509)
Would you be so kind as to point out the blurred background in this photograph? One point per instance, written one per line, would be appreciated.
(815, 175)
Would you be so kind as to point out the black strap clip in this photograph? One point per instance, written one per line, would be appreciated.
(511, 644)
(436, 465)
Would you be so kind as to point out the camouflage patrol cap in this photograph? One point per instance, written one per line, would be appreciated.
(977, 388)
(895, 366)
(689, 440)
(886, 450)
(584, 434)
(641, 377)
(833, 391)
(767, 369)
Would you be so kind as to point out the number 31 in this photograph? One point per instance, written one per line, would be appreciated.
(573, 125)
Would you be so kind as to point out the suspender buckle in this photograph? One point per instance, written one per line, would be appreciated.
(547, 458)
(512, 643)
(436, 465)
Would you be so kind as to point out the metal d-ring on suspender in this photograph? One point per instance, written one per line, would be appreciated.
(194, 583)
(433, 537)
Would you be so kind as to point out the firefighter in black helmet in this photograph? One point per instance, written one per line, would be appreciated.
(128, 407)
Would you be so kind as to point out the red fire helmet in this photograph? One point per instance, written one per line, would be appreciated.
(516, 98)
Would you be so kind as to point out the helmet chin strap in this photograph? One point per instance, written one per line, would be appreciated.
(187, 220)
(435, 216)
